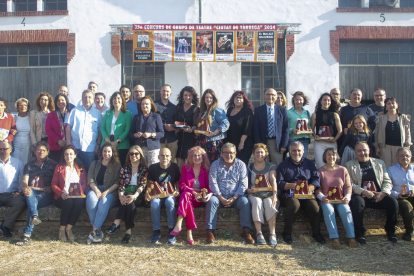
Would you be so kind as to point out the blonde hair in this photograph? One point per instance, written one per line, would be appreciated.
(261, 146)
(203, 106)
(353, 129)
(19, 101)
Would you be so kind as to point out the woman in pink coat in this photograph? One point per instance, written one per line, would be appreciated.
(194, 178)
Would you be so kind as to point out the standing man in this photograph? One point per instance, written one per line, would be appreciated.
(93, 86)
(271, 127)
(168, 112)
(363, 169)
(11, 174)
(82, 130)
(228, 183)
(379, 98)
(126, 93)
(64, 91)
(336, 95)
(139, 93)
(402, 173)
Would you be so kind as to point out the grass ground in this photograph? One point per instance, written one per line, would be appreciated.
(228, 256)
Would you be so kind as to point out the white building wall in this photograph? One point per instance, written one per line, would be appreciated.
(311, 69)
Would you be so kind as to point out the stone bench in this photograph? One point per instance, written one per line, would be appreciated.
(228, 219)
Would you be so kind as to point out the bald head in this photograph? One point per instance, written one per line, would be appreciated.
(63, 90)
(139, 93)
(165, 158)
(336, 94)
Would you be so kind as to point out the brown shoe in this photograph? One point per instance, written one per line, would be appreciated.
(247, 237)
(352, 243)
(210, 236)
(336, 244)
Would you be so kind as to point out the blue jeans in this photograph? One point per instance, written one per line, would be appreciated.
(156, 204)
(242, 204)
(98, 209)
(305, 145)
(37, 199)
(330, 221)
(85, 158)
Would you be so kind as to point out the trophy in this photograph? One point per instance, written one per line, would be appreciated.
(202, 194)
(180, 124)
(324, 133)
(349, 124)
(261, 184)
(369, 186)
(335, 195)
(302, 127)
(75, 191)
(301, 190)
(202, 127)
(37, 183)
(165, 189)
(404, 191)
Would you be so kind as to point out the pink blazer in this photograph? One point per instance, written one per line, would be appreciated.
(187, 179)
(52, 128)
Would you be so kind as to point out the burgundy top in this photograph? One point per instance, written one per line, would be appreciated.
(187, 179)
(338, 177)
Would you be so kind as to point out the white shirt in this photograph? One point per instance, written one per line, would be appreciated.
(71, 177)
(11, 175)
(134, 179)
(113, 125)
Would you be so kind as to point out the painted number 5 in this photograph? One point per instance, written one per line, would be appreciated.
(382, 17)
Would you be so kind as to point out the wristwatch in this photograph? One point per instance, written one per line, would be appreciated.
(235, 197)
(118, 141)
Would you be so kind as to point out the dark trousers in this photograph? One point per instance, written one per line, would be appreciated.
(358, 205)
(406, 209)
(17, 205)
(70, 210)
(56, 155)
(122, 154)
(311, 208)
(127, 213)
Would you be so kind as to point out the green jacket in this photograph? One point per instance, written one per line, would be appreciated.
(122, 126)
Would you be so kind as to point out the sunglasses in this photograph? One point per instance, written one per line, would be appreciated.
(133, 153)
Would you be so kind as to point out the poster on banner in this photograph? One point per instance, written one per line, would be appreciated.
(266, 46)
(183, 43)
(245, 46)
(162, 46)
(224, 46)
(143, 45)
(204, 46)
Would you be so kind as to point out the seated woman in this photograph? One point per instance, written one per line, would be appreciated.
(103, 178)
(132, 181)
(194, 178)
(263, 202)
(334, 175)
(69, 183)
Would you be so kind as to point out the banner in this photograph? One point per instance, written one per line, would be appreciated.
(205, 42)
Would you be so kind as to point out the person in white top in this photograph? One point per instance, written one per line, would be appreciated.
(22, 139)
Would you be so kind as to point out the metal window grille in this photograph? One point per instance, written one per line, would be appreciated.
(26, 5)
(55, 5)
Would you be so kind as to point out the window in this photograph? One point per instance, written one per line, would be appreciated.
(26, 5)
(23, 55)
(377, 52)
(55, 5)
(149, 74)
(349, 3)
(406, 3)
(259, 76)
(3, 5)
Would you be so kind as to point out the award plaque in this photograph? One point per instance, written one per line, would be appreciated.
(75, 191)
(165, 189)
(202, 194)
(302, 190)
(324, 133)
(349, 124)
(404, 191)
(369, 186)
(335, 195)
(180, 124)
(202, 127)
(262, 184)
(302, 127)
(37, 183)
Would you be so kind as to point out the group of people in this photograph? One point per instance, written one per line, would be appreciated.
(101, 157)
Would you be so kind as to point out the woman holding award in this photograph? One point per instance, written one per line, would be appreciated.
(212, 124)
(327, 126)
(335, 193)
(262, 191)
(69, 184)
(195, 191)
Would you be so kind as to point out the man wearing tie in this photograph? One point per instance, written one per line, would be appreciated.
(271, 127)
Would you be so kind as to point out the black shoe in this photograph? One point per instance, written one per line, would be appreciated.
(392, 237)
(126, 238)
(318, 237)
(287, 238)
(113, 229)
(5, 231)
(361, 240)
(407, 236)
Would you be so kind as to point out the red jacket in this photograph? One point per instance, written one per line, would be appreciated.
(52, 128)
(58, 181)
(9, 124)
(187, 179)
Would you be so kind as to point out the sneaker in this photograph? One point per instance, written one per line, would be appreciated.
(113, 229)
(5, 231)
(155, 236)
(361, 240)
(407, 236)
(94, 235)
(101, 234)
(318, 237)
(35, 220)
(287, 238)
(392, 237)
(171, 238)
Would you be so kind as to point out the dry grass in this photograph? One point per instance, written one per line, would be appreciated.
(46, 256)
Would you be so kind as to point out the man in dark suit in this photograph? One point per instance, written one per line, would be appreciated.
(271, 127)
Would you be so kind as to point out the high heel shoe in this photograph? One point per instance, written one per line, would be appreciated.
(191, 242)
(175, 233)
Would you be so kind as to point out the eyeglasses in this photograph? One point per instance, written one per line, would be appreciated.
(133, 153)
(228, 153)
(382, 95)
(3, 149)
(139, 91)
(405, 155)
(197, 155)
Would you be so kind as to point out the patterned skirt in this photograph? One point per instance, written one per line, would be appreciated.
(212, 148)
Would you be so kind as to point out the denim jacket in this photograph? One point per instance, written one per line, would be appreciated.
(218, 121)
